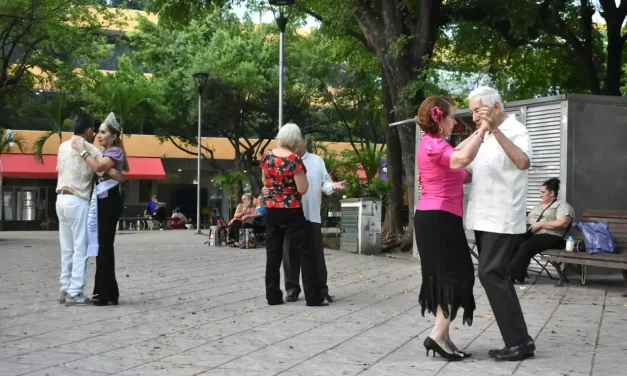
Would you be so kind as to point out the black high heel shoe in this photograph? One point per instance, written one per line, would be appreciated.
(458, 351)
(464, 354)
(431, 345)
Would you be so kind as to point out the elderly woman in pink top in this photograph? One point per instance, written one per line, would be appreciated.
(447, 271)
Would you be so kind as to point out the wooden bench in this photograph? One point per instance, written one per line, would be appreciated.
(618, 260)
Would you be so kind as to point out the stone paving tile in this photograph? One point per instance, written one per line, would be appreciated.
(235, 372)
(15, 369)
(104, 363)
(65, 371)
(187, 309)
(45, 358)
(164, 369)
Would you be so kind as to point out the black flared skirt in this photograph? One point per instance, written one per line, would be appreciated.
(448, 275)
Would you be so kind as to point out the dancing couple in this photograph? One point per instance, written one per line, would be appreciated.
(495, 159)
(89, 206)
(293, 183)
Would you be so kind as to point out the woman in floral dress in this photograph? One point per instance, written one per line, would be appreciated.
(284, 176)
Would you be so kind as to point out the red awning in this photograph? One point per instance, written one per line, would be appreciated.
(145, 169)
(26, 166)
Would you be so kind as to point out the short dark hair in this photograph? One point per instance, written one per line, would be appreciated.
(552, 185)
(82, 122)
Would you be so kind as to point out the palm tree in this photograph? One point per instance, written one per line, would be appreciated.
(129, 102)
(232, 183)
(8, 139)
(368, 158)
(61, 109)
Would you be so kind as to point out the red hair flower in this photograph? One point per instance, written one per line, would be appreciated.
(436, 114)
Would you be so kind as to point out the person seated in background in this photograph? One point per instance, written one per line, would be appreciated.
(244, 208)
(155, 209)
(179, 220)
(548, 224)
(257, 220)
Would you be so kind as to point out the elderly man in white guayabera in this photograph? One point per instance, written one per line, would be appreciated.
(496, 212)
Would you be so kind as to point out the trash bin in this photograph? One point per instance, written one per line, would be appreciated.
(361, 226)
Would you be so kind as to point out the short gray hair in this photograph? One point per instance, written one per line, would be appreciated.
(489, 96)
(289, 136)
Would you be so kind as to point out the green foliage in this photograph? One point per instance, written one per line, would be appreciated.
(471, 54)
(173, 13)
(240, 100)
(53, 36)
(59, 112)
(368, 159)
(136, 100)
(379, 189)
(230, 182)
(354, 187)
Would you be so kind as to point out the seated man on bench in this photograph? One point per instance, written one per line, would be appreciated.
(155, 210)
(548, 223)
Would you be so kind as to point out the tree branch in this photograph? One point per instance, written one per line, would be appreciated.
(367, 20)
(350, 32)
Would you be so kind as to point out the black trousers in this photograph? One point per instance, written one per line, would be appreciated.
(256, 228)
(160, 214)
(291, 260)
(109, 210)
(234, 230)
(495, 253)
(290, 224)
(528, 249)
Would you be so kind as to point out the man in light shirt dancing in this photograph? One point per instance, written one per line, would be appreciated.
(319, 181)
(74, 187)
(496, 212)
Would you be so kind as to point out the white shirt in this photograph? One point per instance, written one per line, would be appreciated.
(319, 181)
(180, 216)
(498, 193)
(74, 173)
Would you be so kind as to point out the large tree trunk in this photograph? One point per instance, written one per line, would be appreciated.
(614, 18)
(384, 29)
(392, 230)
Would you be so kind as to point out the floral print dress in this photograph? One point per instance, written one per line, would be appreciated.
(278, 173)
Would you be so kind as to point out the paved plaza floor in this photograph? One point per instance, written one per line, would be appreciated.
(188, 309)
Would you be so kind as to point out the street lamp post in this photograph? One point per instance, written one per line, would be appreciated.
(201, 80)
(285, 9)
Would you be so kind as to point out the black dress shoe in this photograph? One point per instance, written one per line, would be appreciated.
(291, 297)
(276, 303)
(321, 304)
(516, 353)
(102, 302)
(328, 297)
